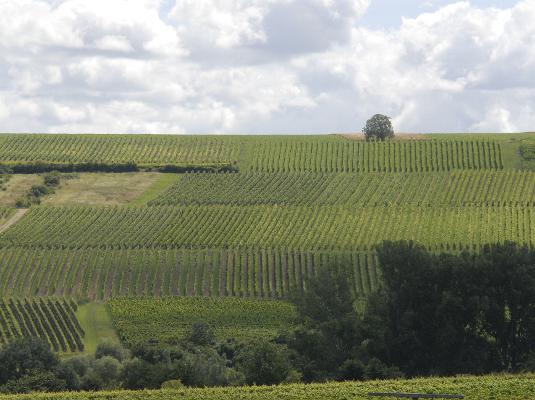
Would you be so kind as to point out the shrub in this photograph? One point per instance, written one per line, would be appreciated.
(52, 179)
(172, 384)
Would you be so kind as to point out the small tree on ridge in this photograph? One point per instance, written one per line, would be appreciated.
(378, 127)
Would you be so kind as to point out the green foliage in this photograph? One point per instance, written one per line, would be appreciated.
(173, 384)
(450, 314)
(111, 349)
(168, 320)
(264, 363)
(24, 356)
(40, 190)
(496, 387)
(327, 330)
(201, 334)
(46, 381)
(378, 127)
(52, 179)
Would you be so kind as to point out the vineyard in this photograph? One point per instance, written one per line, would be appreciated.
(456, 188)
(304, 228)
(302, 154)
(170, 319)
(495, 387)
(223, 246)
(143, 150)
(50, 319)
(99, 274)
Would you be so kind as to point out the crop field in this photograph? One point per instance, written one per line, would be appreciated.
(495, 387)
(456, 188)
(291, 227)
(300, 155)
(50, 319)
(100, 274)
(169, 319)
(143, 150)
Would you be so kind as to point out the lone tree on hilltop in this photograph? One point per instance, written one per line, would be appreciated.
(378, 127)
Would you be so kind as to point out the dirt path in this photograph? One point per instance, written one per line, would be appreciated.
(13, 219)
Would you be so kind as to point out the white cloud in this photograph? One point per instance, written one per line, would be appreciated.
(227, 66)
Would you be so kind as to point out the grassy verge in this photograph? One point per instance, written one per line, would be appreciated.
(100, 188)
(97, 324)
(156, 188)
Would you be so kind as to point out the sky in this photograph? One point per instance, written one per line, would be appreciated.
(266, 66)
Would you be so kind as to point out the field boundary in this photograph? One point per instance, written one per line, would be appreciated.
(13, 219)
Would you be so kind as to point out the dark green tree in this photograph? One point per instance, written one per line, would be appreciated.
(201, 334)
(425, 319)
(264, 363)
(25, 356)
(327, 332)
(378, 127)
(507, 279)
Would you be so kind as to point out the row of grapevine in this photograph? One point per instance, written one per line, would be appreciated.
(309, 228)
(50, 319)
(169, 319)
(106, 273)
(486, 187)
(495, 387)
(390, 156)
(141, 149)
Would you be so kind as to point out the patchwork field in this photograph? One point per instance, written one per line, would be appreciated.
(252, 217)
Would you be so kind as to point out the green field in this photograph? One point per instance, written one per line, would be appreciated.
(495, 387)
(169, 319)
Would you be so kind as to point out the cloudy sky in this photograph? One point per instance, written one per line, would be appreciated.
(266, 66)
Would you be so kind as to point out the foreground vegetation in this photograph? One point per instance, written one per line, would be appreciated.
(496, 387)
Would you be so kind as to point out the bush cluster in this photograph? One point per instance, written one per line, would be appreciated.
(51, 182)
